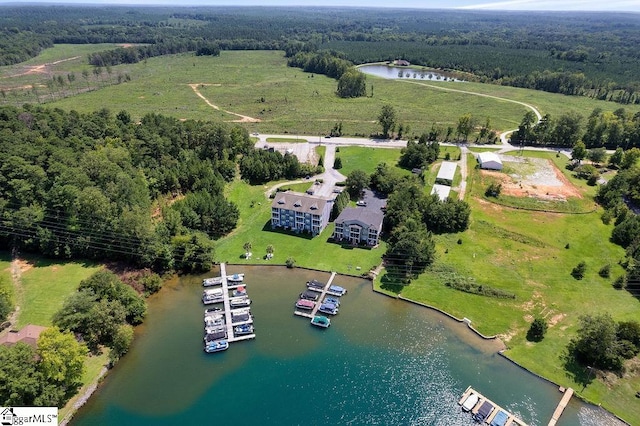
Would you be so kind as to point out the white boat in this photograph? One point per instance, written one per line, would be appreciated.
(243, 329)
(216, 346)
(208, 282)
(235, 278)
(212, 296)
(470, 402)
(239, 301)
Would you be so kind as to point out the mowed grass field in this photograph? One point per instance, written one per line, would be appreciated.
(260, 85)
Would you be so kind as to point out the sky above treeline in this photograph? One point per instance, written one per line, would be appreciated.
(554, 5)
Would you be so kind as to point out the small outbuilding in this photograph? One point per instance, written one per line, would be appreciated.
(490, 161)
(442, 191)
(29, 335)
(446, 173)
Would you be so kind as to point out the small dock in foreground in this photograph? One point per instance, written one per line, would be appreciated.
(323, 292)
(511, 419)
(568, 393)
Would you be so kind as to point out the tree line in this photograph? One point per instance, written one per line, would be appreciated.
(610, 130)
(584, 54)
(82, 185)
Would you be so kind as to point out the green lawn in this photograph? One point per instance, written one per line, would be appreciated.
(46, 285)
(366, 159)
(254, 227)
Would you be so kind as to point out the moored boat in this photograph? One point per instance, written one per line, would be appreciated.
(212, 296)
(321, 321)
(240, 291)
(305, 304)
(309, 295)
(208, 282)
(315, 284)
(328, 308)
(500, 419)
(214, 333)
(483, 412)
(239, 301)
(243, 329)
(470, 402)
(235, 278)
(216, 346)
(332, 299)
(337, 290)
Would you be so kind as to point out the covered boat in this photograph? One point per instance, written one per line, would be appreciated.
(321, 321)
(315, 284)
(215, 333)
(212, 296)
(337, 290)
(240, 291)
(239, 301)
(305, 304)
(332, 299)
(208, 282)
(500, 419)
(309, 295)
(328, 308)
(216, 346)
(470, 402)
(484, 411)
(243, 329)
(235, 278)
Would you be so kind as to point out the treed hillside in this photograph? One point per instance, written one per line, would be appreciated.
(103, 187)
(586, 54)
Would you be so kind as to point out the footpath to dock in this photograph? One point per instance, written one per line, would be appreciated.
(227, 309)
(561, 406)
(323, 292)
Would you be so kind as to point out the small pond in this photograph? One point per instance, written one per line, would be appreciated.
(413, 73)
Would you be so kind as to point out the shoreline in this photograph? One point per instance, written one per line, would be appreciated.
(82, 398)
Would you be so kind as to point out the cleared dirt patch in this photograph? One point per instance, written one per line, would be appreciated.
(533, 177)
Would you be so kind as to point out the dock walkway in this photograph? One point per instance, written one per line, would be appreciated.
(227, 309)
(323, 292)
(561, 406)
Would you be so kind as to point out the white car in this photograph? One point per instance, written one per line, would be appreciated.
(361, 203)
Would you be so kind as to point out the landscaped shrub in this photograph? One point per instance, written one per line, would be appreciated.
(537, 330)
(290, 262)
(578, 271)
(620, 282)
(605, 271)
(493, 190)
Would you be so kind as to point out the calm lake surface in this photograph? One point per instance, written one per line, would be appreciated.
(414, 73)
(382, 362)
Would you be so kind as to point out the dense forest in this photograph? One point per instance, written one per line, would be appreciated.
(587, 54)
(100, 186)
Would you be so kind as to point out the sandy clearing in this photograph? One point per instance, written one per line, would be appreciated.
(40, 69)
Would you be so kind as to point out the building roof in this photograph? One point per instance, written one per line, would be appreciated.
(299, 202)
(489, 157)
(365, 215)
(447, 170)
(29, 334)
(442, 191)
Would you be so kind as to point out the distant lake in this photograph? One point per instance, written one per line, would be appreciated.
(414, 73)
(383, 361)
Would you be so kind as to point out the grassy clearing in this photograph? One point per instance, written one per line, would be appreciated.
(288, 140)
(366, 159)
(254, 227)
(45, 286)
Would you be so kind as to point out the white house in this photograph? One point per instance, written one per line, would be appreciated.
(489, 160)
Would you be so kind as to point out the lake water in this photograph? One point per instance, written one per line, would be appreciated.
(383, 361)
(414, 73)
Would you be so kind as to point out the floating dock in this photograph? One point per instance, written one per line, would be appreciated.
(323, 292)
(511, 420)
(231, 337)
